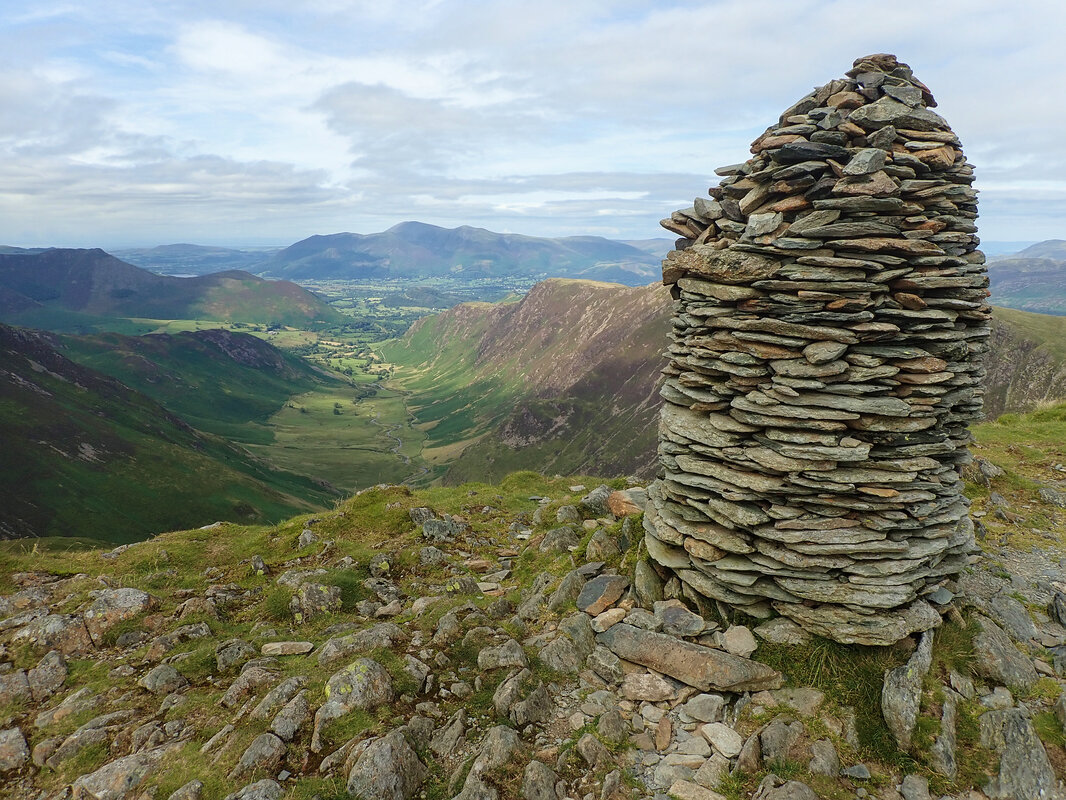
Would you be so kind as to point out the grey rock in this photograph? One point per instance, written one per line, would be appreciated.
(1052, 497)
(781, 630)
(677, 620)
(278, 697)
(914, 787)
(865, 161)
(117, 779)
(595, 502)
(193, 790)
(163, 679)
(314, 599)
(265, 753)
(778, 738)
(859, 772)
(231, 653)
(76, 702)
(605, 664)
(508, 654)
(600, 593)
(538, 782)
(111, 607)
(15, 687)
(698, 666)
(647, 584)
(592, 751)
(536, 707)
(602, 547)
(998, 659)
(560, 540)
(388, 769)
(902, 691)
(706, 707)
(1013, 617)
(266, 789)
(790, 790)
(431, 556)
(1025, 773)
(251, 680)
(567, 592)
(447, 739)
(568, 514)
(63, 632)
(47, 677)
(363, 684)
(421, 515)
(942, 753)
(14, 752)
(888, 111)
(383, 635)
(612, 727)
(291, 718)
(824, 758)
(166, 642)
(441, 530)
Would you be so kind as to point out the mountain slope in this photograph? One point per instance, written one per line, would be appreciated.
(86, 456)
(566, 380)
(192, 259)
(94, 283)
(219, 381)
(415, 249)
(563, 381)
(1027, 364)
(1032, 280)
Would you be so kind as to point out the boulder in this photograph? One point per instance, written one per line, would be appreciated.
(538, 782)
(508, 654)
(112, 606)
(265, 789)
(48, 676)
(291, 718)
(388, 769)
(231, 653)
(1025, 773)
(901, 693)
(14, 752)
(117, 779)
(600, 593)
(380, 636)
(998, 659)
(163, 679)
(264, 754)
(63, 632)
(698, 666)
(363, 684)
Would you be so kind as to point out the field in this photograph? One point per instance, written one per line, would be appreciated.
(348, 440)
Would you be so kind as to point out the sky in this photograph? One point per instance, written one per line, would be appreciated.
(233, 122)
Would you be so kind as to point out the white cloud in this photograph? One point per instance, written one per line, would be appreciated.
(266, 120)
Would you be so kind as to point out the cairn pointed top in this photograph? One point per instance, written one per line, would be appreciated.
(888, 64)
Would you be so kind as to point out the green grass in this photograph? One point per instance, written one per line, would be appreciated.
(849, 675)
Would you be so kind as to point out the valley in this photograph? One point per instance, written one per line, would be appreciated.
(443, 379)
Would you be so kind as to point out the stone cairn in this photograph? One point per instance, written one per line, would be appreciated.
(825, 358)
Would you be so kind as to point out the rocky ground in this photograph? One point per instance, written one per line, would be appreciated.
(502, 642)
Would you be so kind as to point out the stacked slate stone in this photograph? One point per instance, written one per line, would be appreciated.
(825, 360)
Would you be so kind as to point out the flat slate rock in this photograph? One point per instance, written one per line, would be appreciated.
(702, 667)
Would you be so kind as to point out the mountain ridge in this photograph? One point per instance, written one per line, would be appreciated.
(412, 249)
(95, 283)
